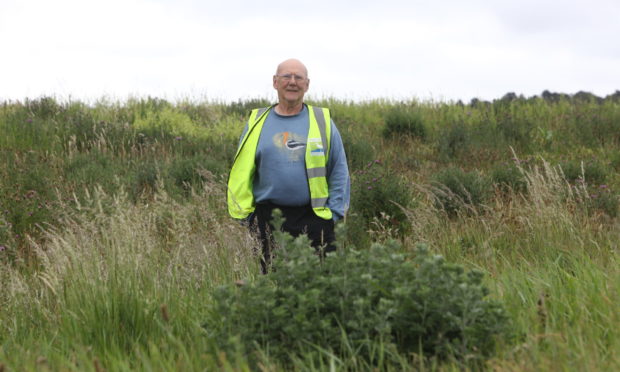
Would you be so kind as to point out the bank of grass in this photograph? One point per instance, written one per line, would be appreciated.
(115, 234)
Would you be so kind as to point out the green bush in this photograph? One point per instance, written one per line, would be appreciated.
(43, 107)
(358, 149)
(352, 301)
(508, 177)
(27, 192)
(591, 172)
(457, 190)
(404, 121)
(597, 125)
(517, 131)
(377, 191)
(187, 173)
(243, 108)
(454, 140)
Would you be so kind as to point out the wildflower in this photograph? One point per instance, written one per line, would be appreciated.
(603, 186)
(29, 120)
(179, 138)
(369, 187)
(2, 248)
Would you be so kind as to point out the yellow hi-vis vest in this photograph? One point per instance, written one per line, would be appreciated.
(240, 195)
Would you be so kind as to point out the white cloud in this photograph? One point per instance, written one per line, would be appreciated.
(363, 49)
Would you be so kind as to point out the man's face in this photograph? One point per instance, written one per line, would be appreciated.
(291, 81)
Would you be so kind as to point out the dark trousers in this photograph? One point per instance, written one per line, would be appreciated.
(297, 221)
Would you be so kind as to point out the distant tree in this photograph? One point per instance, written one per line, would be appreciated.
(583, 96)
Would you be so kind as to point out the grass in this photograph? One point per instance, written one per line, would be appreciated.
(114, 232)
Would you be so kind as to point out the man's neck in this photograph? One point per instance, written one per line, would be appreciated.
(286, 109)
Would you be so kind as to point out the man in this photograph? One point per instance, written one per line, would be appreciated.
(290, 157)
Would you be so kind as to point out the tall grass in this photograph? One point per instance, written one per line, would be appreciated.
(117, 279)
(114, 232)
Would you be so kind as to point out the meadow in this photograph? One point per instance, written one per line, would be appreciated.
(115, 237)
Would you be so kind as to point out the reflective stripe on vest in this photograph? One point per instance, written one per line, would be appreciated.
(240, 181)
(317, 152)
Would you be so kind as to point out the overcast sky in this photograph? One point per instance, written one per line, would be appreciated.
(227, 50)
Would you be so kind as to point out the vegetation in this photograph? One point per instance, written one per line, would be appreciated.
(374, 304)
(117, 253)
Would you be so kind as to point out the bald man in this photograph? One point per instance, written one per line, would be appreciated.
(290, 157)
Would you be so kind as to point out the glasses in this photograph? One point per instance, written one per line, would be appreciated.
(289, 77)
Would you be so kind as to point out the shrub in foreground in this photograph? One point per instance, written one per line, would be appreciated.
(352, 301)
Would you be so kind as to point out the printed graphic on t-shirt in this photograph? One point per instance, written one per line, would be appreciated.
(291, 144)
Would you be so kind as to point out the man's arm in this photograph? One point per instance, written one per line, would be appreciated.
(338, 178)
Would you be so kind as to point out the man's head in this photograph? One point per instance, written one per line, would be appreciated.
(291, 81)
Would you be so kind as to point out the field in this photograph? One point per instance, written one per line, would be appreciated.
(115, 239)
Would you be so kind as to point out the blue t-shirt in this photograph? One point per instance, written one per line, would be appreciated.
(280, 176)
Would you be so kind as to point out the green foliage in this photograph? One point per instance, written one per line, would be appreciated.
(8, 248)
(603, 200)
(84, 170)
(243, 108)
(596, 125)
(508, 177)
(457, 190)
(169, 122)
(27, 192)
(551, 252)
(359, 151)
(591, 172)
(454, 140)
(145, 181)
(356, 299)
(112, 312)
(43, 107)
(188, 173)
(404, 121)
(517, 130)
(614, 161)
(377, 191)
